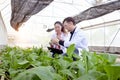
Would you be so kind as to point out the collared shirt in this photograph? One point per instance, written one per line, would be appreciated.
(61, 42)
(78, 38)
(72, 34)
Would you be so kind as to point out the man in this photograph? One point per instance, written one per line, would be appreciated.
(77, 36)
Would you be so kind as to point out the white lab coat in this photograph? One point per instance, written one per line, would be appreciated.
(78, 39)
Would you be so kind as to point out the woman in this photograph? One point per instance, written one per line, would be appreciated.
(60, 33)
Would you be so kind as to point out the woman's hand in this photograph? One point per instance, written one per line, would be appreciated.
(55, 41)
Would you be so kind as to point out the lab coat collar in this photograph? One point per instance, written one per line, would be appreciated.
(77, 29)
(73, 31)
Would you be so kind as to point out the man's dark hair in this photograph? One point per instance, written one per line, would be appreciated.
(69, 19)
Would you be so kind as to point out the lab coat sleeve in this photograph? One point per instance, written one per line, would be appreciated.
(79, 40)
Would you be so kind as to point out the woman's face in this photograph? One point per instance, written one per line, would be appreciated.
(58, 28)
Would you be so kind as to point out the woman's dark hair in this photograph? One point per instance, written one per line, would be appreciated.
(58, 22)
(69, 19)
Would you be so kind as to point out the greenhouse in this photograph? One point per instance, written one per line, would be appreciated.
(26, 27)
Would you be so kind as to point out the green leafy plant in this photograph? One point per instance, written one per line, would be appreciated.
(38, 64)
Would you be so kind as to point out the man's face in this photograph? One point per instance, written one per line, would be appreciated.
(67, 25)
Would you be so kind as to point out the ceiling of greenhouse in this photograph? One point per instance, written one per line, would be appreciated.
(56, 11)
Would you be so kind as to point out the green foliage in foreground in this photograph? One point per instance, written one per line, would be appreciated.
(37, 64)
